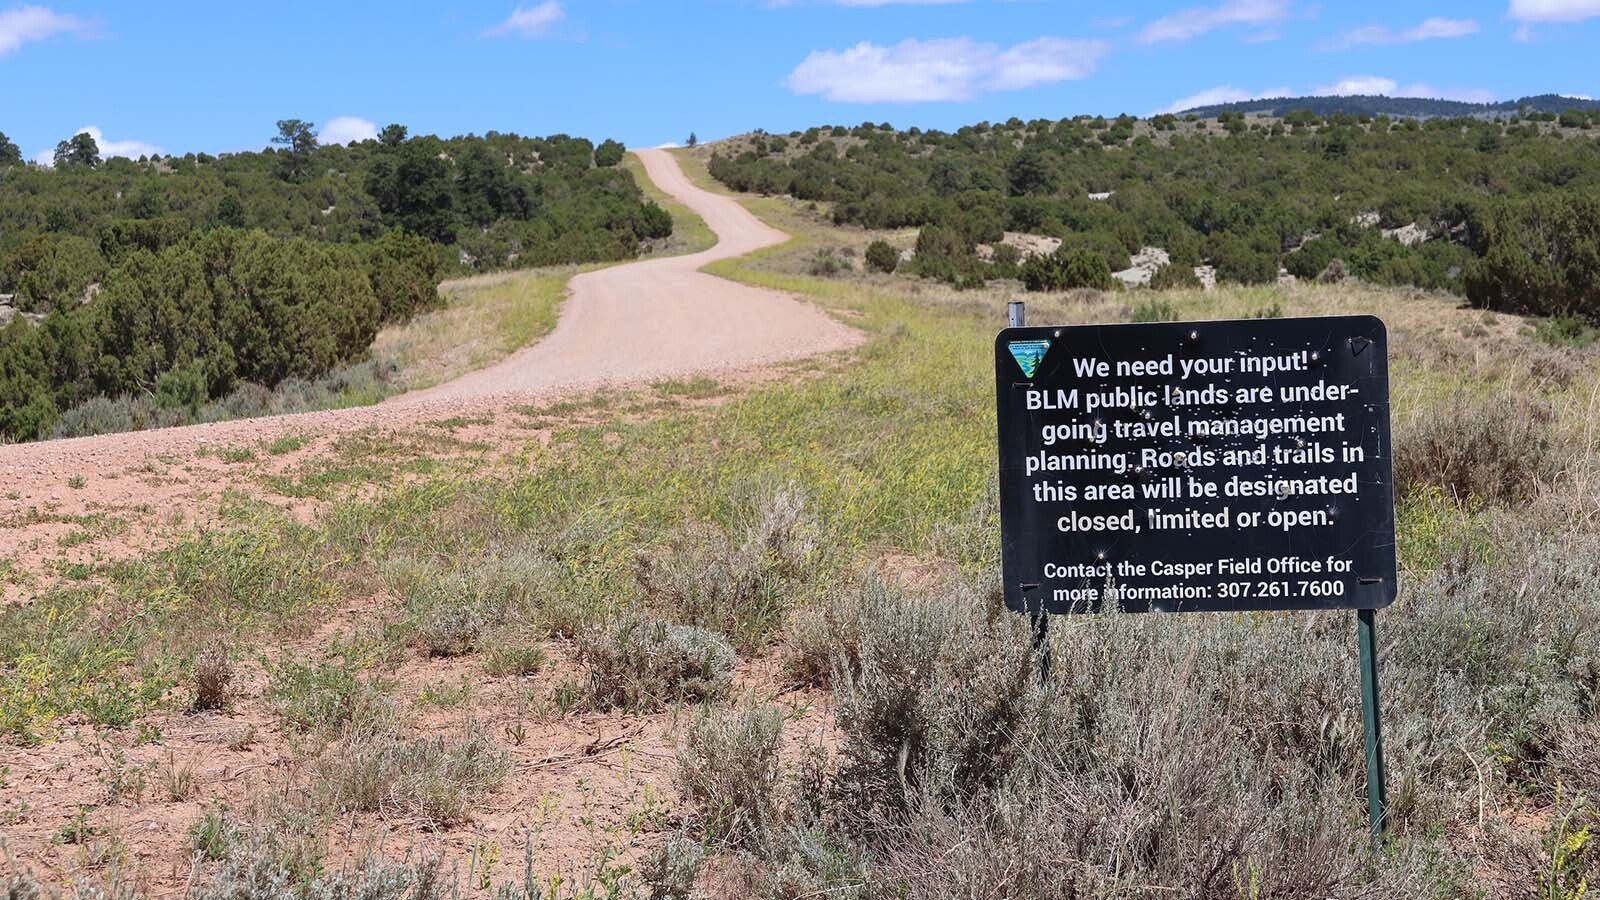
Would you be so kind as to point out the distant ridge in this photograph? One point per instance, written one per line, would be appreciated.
(1412, 107)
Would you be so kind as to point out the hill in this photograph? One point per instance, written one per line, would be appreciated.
(176, 281)
(1411, 107)
(1500, 211)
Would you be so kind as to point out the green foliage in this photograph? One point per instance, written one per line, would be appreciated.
(251, 269)
(299, 142)
(882, 256)
(609, 153)
(322, 695)
(404, 272)
(1066, 269)
(10, 155)
(1264, 197)
(1541, 255)
(52, 271)
(654, 222)
(1565, 331)
(79, 151)
(825, 263)
(1175, 276)
(945, 253)
(1103, 244)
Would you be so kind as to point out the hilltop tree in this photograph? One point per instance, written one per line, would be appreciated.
(300, 140)
(80, 151)
(609, 153)
(486, 189)
(694, 140)
(411, 186)
(9, 154)
(392, 135)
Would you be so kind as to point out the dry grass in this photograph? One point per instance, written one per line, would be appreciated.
(485, 318)
(431, 780)
(641, 665)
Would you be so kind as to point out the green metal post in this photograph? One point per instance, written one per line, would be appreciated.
(1377, 778)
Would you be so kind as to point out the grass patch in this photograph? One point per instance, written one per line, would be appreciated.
(285, 444)
(485, 318)
(435, 780)
(690, 234)
(701, 388)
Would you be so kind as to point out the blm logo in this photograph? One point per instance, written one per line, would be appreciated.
(1028, 355)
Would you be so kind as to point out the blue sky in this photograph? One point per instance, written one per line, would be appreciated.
(191, 76)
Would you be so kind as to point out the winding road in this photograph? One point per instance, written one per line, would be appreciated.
(622, 326)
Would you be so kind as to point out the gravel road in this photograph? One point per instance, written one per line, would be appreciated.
(621, 326)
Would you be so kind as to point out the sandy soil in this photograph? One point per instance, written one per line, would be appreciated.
(623, 326)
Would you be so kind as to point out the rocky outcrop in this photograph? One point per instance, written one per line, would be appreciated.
(1145, 264)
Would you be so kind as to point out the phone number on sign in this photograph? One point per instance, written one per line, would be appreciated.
(1234, 590)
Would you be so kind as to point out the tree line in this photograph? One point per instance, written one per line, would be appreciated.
(1507, 206)
(183, 278)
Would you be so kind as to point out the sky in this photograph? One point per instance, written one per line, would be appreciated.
(176, 77)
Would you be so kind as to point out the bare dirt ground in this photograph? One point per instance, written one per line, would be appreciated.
(620, 327)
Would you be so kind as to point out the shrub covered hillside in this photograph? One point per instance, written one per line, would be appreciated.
(185, 279)
(1501, 211)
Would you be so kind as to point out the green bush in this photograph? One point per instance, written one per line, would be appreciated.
(1104, 244)
(1174, 276)
(609, 153)
(404, 272)
(655, 223)
(52, 271)
(1067, 269)
(1541, 255)
(1565, 331)
(825, 263)
(881, 256)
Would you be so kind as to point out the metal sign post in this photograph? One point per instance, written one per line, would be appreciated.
(1203, 466)
(1377, 775)
(1017, 317)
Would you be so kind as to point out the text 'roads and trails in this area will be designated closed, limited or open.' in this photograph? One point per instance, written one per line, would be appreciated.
(1238, 465)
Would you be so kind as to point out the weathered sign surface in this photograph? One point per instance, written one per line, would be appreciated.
(1240, 465)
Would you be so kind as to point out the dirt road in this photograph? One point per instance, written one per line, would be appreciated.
(662, 318)
(623, 326)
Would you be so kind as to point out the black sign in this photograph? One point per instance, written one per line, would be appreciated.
(1193, 466)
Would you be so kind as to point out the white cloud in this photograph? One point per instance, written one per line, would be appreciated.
(1345, 87)
(1195, 21)
(1465, 95)
(1431, 29)
(914, 71)
(1359, 84)
(1370, 85)
(36, 23)
(1222, 93)
(535, 21)
(344, 129)
(1553, 10)
(108, 148)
